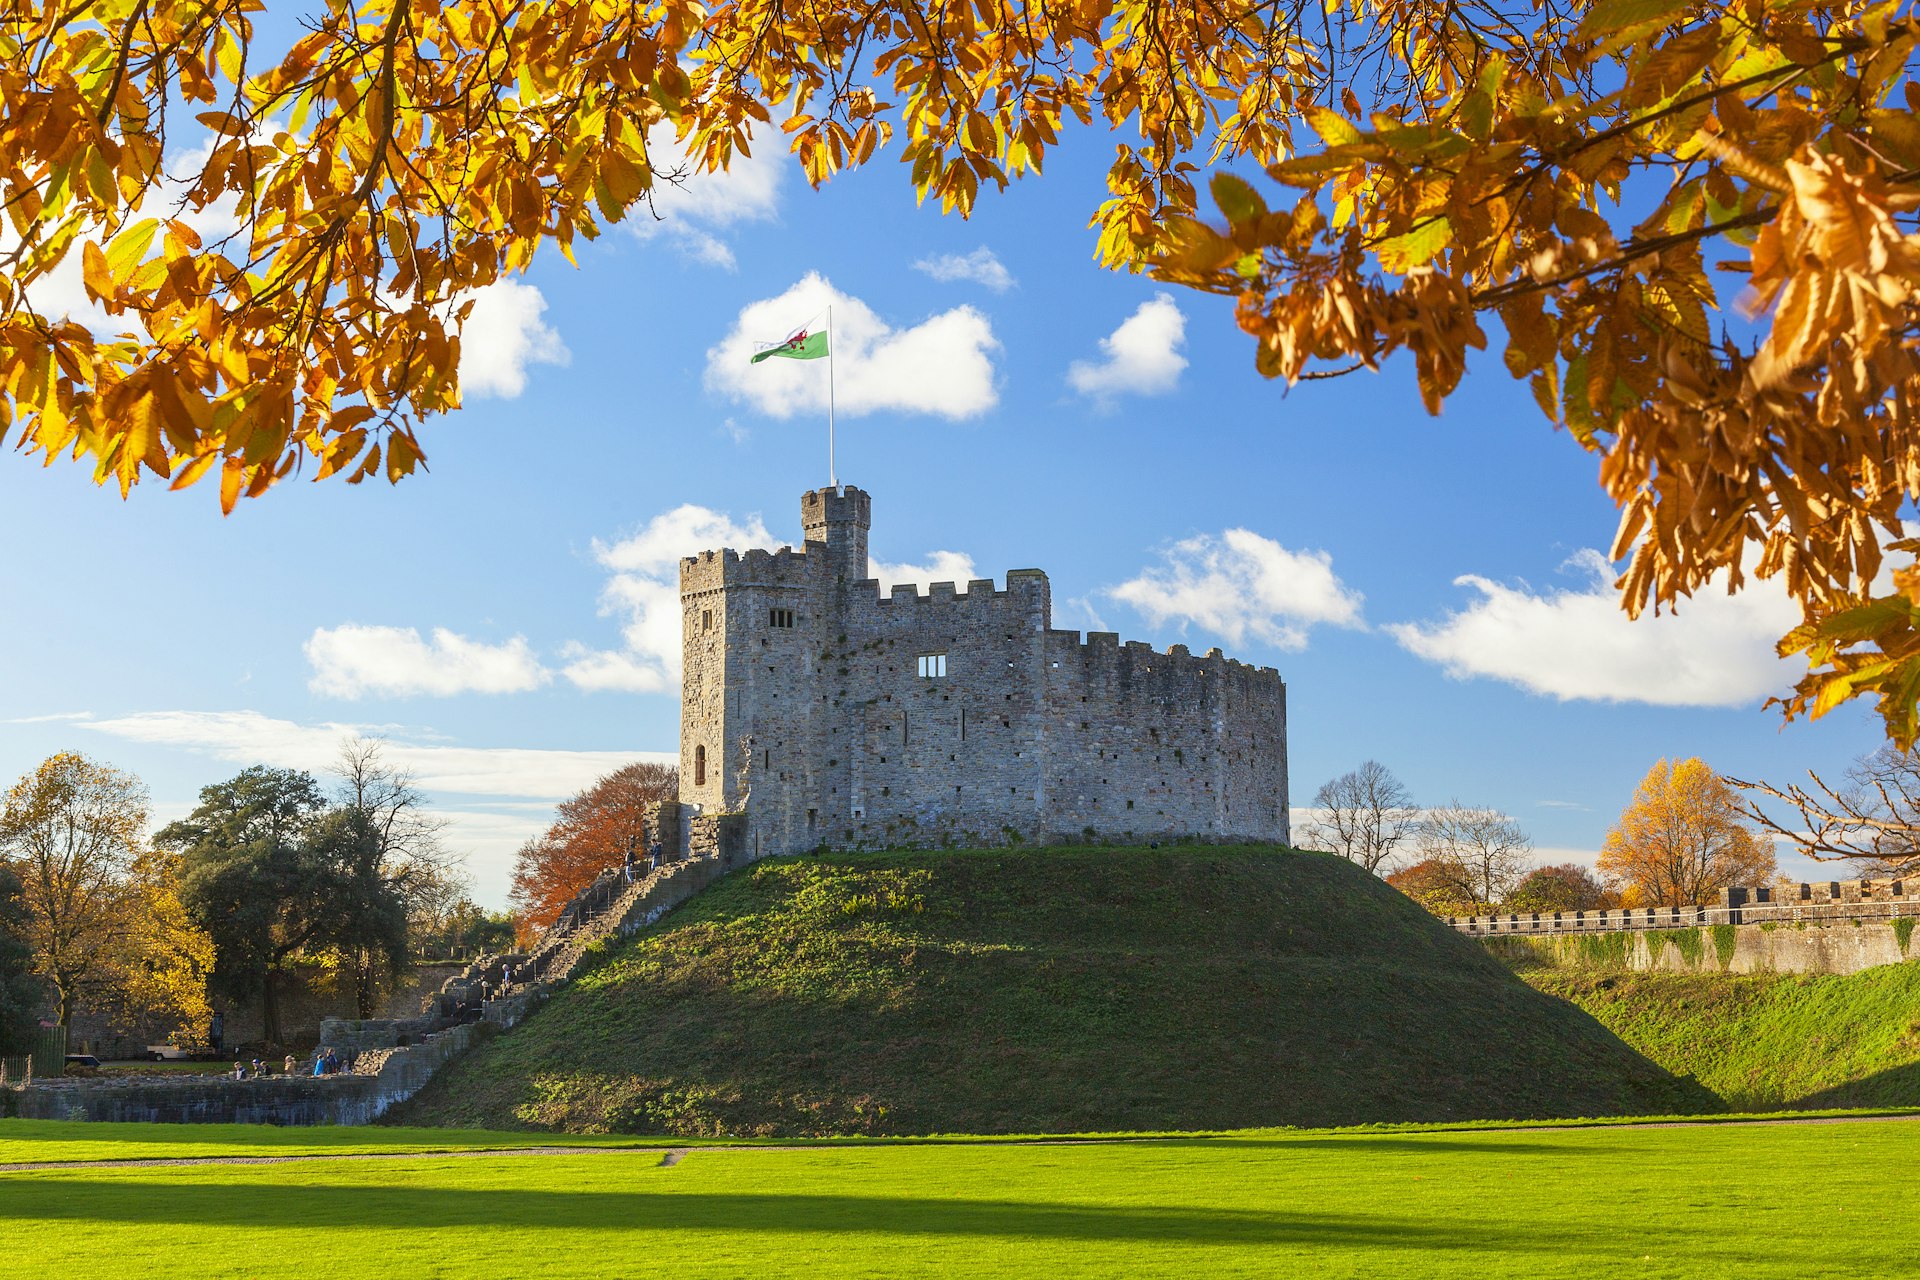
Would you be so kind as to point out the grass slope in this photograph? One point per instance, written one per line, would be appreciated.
(1767, 1040)
(1769, 1202)
(1045, 991)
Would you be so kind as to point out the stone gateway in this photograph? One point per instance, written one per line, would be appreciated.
(817, 711)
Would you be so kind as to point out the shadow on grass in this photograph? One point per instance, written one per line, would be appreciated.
(1894, 1087)
(344, 1137)
(331, 1207)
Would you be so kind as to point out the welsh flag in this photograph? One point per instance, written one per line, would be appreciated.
(801, 346)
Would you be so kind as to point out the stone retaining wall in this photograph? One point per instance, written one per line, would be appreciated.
(351, 1036)
(1836, 947)
(381, 1079)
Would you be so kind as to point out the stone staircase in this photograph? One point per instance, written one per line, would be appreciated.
(610, 907)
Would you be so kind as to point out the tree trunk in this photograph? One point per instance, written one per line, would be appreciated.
(270, 1007)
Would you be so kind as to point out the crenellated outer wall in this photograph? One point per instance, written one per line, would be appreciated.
(805, 700)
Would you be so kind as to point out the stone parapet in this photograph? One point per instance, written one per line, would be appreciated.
(1826, 901)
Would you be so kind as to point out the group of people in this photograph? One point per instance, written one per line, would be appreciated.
(325, 1063)
(495, 990)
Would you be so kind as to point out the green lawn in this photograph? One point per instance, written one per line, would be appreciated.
(22, 1141)
(1721, 1200)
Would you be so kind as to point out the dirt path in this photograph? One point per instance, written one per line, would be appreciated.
(667, 1157)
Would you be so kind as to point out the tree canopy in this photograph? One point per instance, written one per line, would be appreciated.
(101, 914)
(1591, 180)
(276, 876)
(1682, 839)
(1563, 886)
(591, 831)
(20, 994)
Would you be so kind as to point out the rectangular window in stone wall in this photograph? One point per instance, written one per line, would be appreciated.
(780, 617)
(933, 666)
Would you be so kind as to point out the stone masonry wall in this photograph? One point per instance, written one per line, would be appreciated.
(806, 707)
(1163, 745)
(382, 1080)
(1837, 947)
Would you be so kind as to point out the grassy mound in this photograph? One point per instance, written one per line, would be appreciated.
(1045, 991)
(1767, 1041)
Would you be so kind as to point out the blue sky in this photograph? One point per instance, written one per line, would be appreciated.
(1430, 588)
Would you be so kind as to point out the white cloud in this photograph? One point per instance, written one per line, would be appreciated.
(503, 334)
(354, 661)
(1240, 584)
(1075, 609)
(979, 267)
(61, 294)
(489, 841)
(690, 207)
(941, 566)
(1714, 651)
(941, 366)
(248, 737)
(644, 591)
(1141, 357)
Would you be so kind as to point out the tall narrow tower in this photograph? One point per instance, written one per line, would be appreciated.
(840, 518)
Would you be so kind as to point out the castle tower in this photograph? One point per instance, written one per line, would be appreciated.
(840, 518)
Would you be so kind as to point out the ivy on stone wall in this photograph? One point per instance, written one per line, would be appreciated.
(1724, 936)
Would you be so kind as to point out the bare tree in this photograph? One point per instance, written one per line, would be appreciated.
(403, 854)
(1487, 849)
(412, 855)
(1363, 815)
(1872, 821)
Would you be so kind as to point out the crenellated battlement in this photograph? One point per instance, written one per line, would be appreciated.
(756, 567)
(1099, 645)
(1833, 900)
(979, 591)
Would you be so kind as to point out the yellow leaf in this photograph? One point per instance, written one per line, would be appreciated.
(1416, 248)
(129, 249)
(1333, 128)
(94, 271)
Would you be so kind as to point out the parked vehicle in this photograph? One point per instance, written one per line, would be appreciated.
(82, 1060)
(167, 1053)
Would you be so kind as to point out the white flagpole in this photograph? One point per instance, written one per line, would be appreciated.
(833, 474)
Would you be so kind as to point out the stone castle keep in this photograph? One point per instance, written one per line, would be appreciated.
(818, 711)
